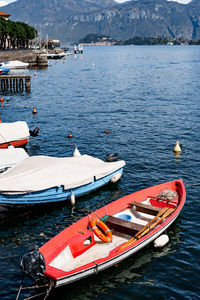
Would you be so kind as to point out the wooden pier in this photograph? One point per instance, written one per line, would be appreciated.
(15, 83)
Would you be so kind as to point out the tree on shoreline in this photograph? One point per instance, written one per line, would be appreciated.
(15, 35)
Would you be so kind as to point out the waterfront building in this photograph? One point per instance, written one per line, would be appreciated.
(4, 15)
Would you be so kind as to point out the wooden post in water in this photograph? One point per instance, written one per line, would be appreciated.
(7, 84)
(28, 84)
(21, 85)
(11, 84)
(15, 83)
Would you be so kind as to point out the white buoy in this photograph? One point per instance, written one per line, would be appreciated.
(161, 241)
(76, 152)
(116, 177)
(72, 199)
(177, 148)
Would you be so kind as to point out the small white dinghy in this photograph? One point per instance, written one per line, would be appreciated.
(11, 156)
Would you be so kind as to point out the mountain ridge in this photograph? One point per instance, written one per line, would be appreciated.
(71, 20)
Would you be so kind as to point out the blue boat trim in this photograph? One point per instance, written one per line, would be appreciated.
(55, 194)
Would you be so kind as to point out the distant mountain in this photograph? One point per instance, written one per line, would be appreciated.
(47, 11)
(71, 20)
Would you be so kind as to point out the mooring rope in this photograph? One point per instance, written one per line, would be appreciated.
(32, 297)
(19, 291)
(50, 285)
(46, 293)
(35, 287)
(49, 290)
(20, 287)
(191, 184)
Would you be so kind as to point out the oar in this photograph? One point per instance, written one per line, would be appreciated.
(164, 211)
(161, 212)
(165, 215)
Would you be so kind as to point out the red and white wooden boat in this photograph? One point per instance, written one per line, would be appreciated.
(128, 225)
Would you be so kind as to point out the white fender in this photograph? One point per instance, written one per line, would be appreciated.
(72, 199)
(161, 241)
(116, 177)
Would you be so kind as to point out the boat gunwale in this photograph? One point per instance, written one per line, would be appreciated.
(15, 143)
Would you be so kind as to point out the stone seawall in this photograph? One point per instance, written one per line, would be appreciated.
(34, 58)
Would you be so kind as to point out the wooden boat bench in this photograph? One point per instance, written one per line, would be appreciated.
(123, 226)
(137, 215)
(145, 208)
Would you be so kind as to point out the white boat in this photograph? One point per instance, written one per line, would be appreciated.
(45, 179)
(11, 156)
(14, 64)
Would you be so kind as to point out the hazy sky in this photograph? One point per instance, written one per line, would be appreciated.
(4, 2)
(180, 1)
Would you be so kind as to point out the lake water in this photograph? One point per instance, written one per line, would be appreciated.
(147, 97)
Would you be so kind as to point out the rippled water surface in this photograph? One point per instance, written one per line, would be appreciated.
(147, 97)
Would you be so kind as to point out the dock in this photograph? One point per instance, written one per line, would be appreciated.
(15, 83)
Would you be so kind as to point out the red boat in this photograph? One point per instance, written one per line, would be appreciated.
(108, 235)
(15, 134)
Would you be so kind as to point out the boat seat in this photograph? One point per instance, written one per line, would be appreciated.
(145, 208)
(137, 215)
(123, 226)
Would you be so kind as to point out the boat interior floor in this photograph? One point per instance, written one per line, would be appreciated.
(65, 260)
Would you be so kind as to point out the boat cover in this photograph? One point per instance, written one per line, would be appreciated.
(37, 173)
(11, 156)
(13, 131)
(14, 64)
